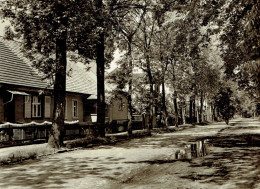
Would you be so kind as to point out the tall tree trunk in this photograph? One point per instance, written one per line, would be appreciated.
(201, 108)
(130, 88)
(176, 109)
(183, 115)
(164, 110)
(130, 113)
(151, 107)
(151, 103)
(197, 117)
(213, 112)
(156, 106)
(191, 110)
(57, 129)
(194, 110)
(211, 118)
(100, 60)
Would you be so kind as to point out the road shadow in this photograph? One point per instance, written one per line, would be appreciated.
(243, 140)
(236, 157)
(54, 172)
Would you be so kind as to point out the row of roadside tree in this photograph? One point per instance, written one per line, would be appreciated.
(194, 49)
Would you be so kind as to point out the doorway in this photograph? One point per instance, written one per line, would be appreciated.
(9, 108)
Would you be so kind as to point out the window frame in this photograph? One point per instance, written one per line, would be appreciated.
(73, 108)
(38, 105)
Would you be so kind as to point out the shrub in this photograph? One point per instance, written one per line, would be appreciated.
(25, 154)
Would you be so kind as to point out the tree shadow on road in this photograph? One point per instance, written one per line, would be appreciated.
(54, 172)
(234, 158)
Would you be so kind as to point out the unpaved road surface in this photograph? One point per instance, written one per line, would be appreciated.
(211, 156)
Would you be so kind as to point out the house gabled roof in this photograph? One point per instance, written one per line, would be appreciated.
(80, 80)
(17, 70)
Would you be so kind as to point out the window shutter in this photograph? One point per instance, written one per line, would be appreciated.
(27, 107)
(47, 107)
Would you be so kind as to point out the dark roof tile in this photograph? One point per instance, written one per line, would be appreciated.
(16, 70)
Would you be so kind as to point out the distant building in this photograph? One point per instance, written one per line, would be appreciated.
(118, 107)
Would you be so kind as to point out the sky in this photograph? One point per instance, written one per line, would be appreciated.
(113, 64)
(2, 26)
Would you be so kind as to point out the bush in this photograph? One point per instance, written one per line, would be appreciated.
(28, 153)
(95, 141)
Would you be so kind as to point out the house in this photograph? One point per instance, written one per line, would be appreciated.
(118, 113)
(118, 107)
(25, 97)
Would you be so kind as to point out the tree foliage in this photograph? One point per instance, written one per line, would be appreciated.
(242, 43)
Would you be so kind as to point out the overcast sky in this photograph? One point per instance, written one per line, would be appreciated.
(2, 26)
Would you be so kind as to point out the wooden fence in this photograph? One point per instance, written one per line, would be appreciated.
(11, 133)
(14, 133)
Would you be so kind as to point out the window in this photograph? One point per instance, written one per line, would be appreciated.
(27, 106)
(75, 108)
(36, 107)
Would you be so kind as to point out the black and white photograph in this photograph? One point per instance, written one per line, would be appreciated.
(127, 94)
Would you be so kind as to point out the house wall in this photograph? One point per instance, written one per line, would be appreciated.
(119, 108)
(19, 109)
(69, 108)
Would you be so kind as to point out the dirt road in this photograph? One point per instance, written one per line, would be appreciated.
(212, 156)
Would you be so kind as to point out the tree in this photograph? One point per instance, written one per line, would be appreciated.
(153, 60)
(100, 61)
(197, 34)
(127, 26)
(112, 17)
(57, 129)
(164, 41)
(240, 40)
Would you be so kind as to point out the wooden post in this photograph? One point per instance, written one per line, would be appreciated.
(9, 133)
(197, 116)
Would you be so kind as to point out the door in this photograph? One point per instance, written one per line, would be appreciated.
(9, 108)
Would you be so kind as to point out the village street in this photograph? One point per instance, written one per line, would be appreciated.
(211, 156)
